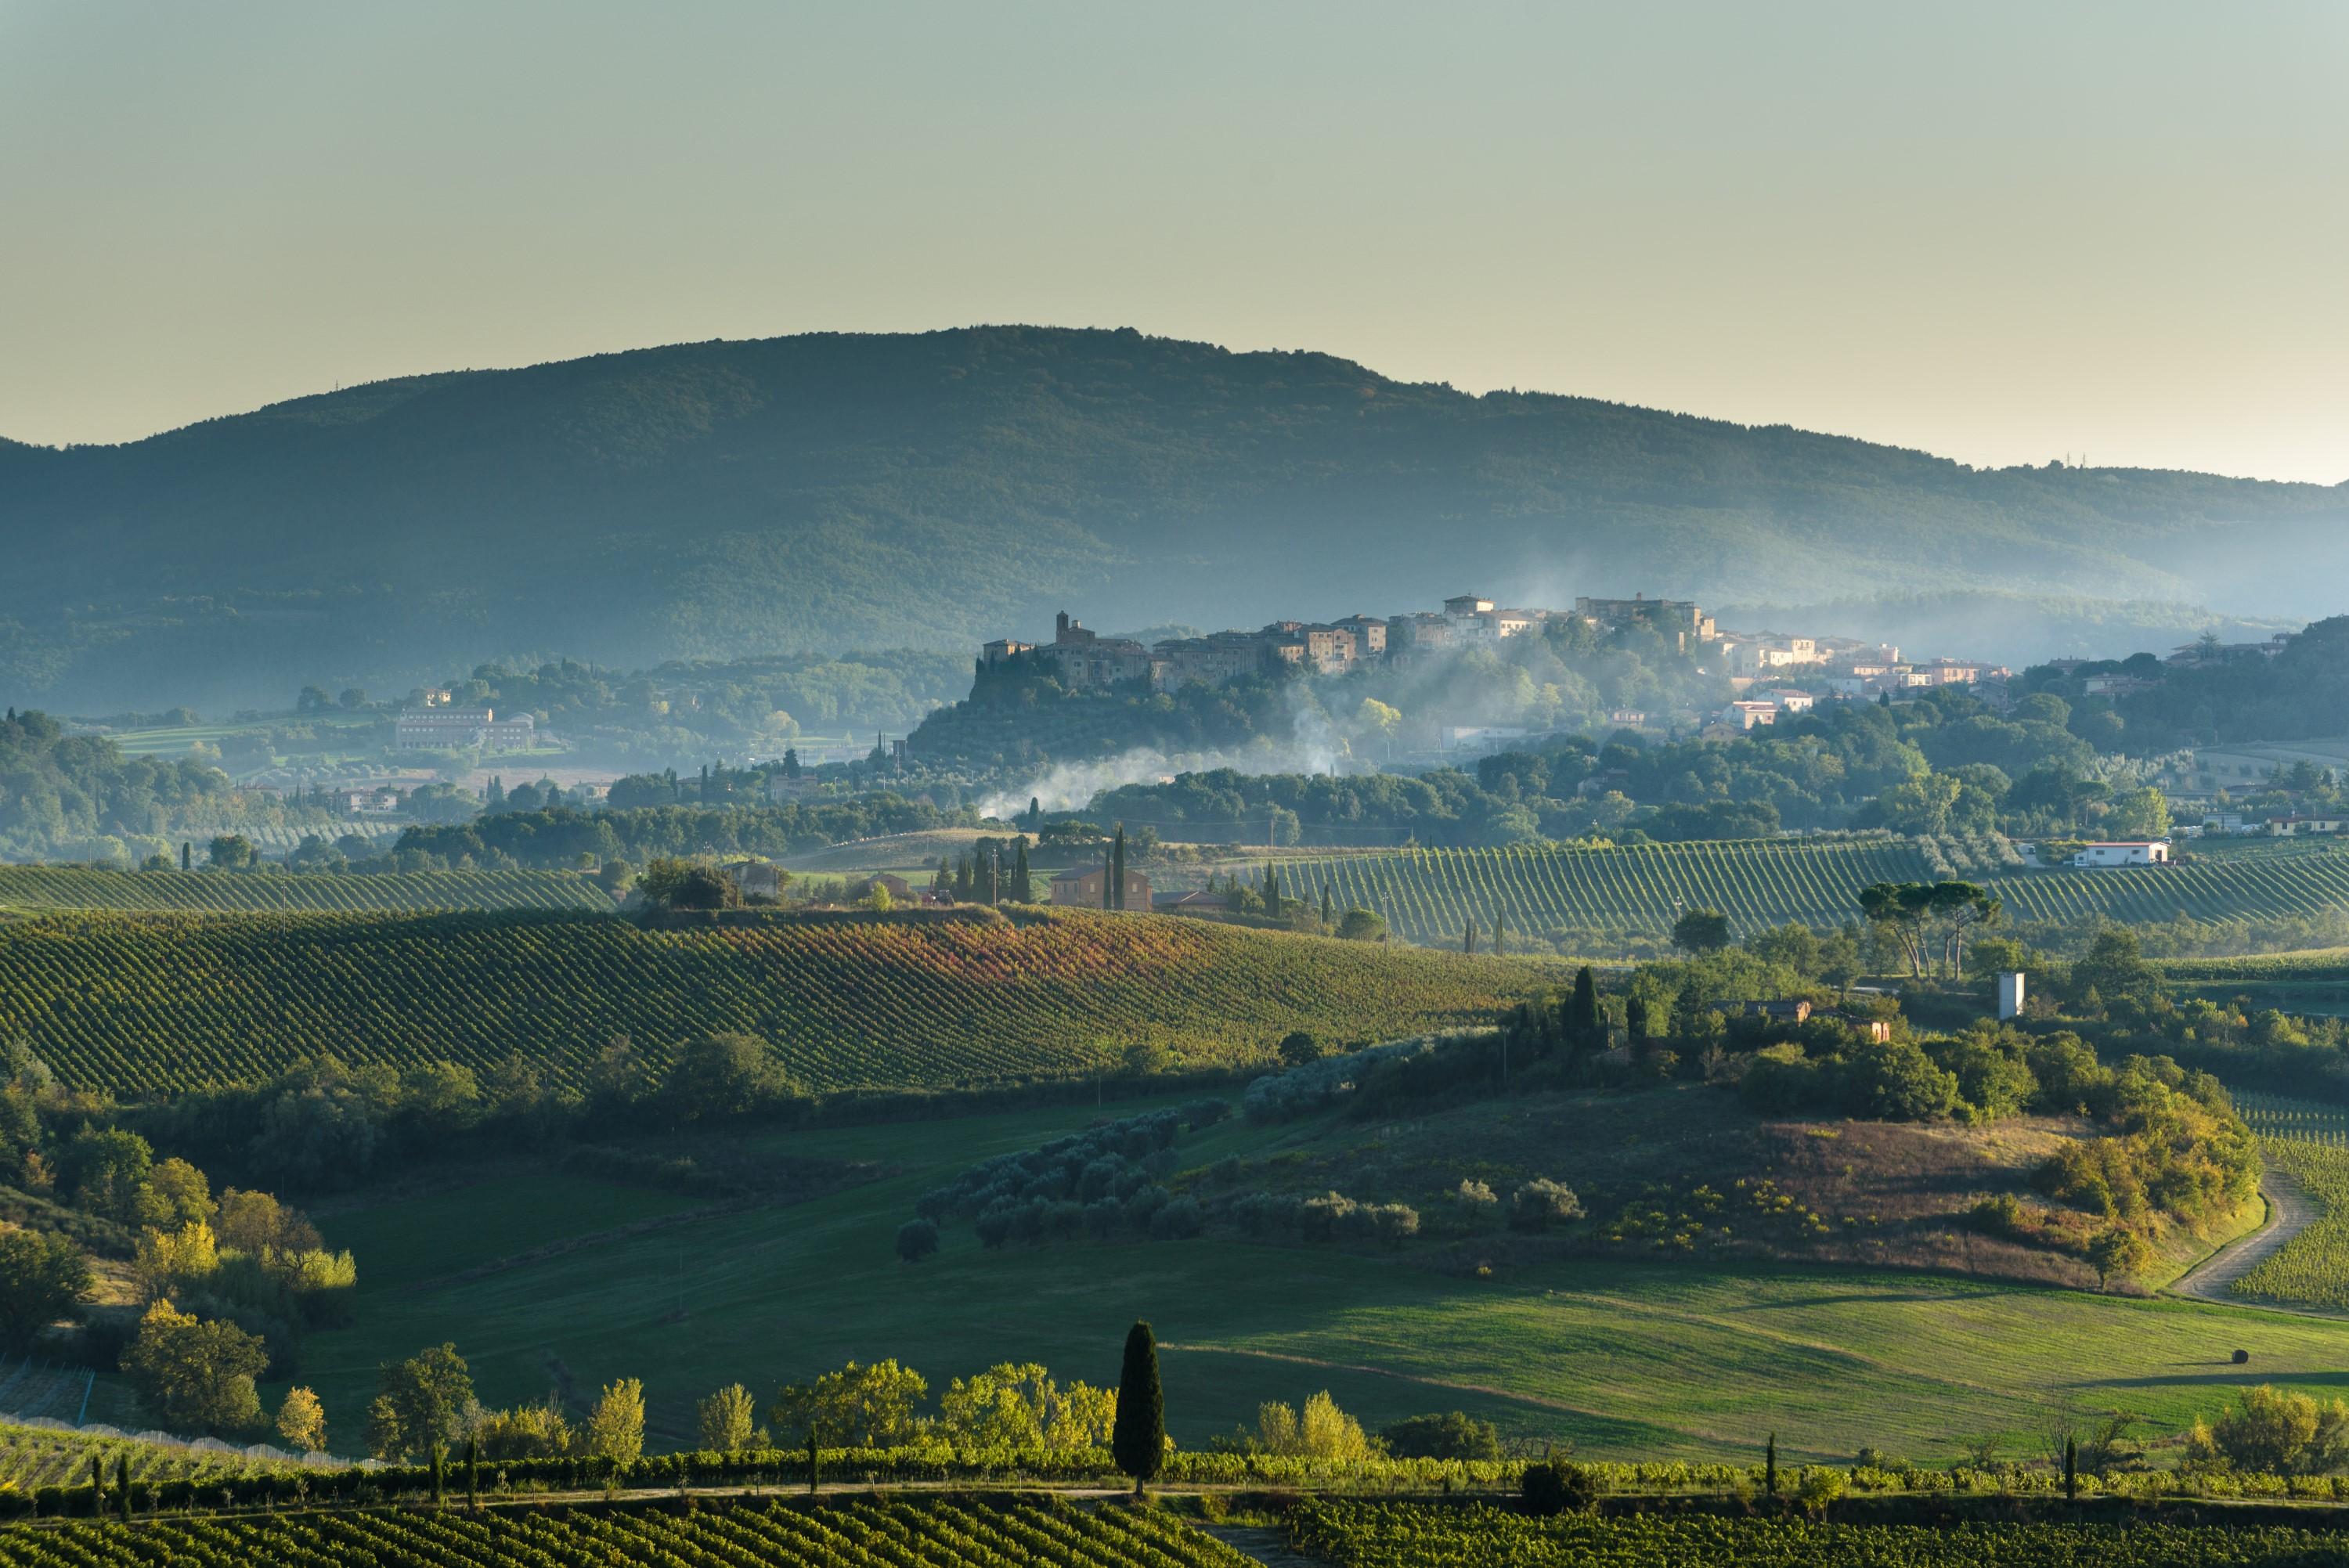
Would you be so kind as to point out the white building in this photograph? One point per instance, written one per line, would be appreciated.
(464, 728)
(2127, 853)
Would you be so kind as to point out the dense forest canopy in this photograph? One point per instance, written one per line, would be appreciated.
(730, 499)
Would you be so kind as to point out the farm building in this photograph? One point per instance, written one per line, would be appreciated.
(2126, 853)
(1080, 887)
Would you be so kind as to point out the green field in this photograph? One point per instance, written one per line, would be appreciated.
(927, 1533)
(1626, 1359)
(1427, 895)
(137, 1005)
(74, 887)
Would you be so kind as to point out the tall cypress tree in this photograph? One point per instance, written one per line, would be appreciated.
(1138, 1441)
(1325, 903)
(1272, 890)
(1500, 935)
(1468, 936)
(1109, 879)
(1582, 1013)
(1117, 860)
(1023, 889)
(122, 1485)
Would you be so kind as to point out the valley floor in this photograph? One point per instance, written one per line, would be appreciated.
(546, 1281)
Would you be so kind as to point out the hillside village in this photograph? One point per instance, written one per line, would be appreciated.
(1772, 672)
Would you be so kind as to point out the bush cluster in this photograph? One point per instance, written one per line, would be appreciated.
(1100, 1182)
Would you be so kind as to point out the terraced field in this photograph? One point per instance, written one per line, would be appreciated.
(137, 1005)
(1427, 895)
(74, 887)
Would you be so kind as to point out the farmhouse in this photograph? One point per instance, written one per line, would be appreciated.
(2126, 853)
(1080, 887)
(899, 890)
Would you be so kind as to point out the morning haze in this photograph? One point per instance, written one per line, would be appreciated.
(1216, 785)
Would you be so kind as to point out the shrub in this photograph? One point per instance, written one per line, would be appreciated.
(1542, 1202)
(1453, 1436)
(917, 1238)
(1177, 1221)
(1555, 1486)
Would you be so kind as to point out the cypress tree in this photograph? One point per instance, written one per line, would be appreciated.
(1272, 890)
(1117, 859)
(2071, 1470)
(964, 880)
(187, 854)
(1468, 936)
(122, 1487)
(1582, 1025)
(1139, 1439)
(98, 1486)
(1325, 903)
(1770, 1466)
(1500, 935)
(439, 1473)
(1109, 879)
(1023, 889)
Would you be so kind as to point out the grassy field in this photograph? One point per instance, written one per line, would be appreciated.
(1426, 896)
(135, 1005)
(867, 1532)
(73, 887)
(1625, 1358)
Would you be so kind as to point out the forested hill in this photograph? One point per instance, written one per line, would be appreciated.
(930, 490)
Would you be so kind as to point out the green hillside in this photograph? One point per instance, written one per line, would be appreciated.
(138, 1005)
(74, 887)
(1427, 895)
(1636, 1354)
(723, 499)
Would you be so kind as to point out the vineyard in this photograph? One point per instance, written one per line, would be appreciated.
(140, 1005)
(1405, 1535)
(1428, 895)
(74, 887)
(940, 1532)
(33, 1456)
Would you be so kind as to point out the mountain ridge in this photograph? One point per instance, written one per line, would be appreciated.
(928, 490)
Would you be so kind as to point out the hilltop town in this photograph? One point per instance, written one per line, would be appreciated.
(1769, 673)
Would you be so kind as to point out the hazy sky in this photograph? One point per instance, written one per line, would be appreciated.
(2003, 234)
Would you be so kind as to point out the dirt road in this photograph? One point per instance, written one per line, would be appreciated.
(2290, 1212)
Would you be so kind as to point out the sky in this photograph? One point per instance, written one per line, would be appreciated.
(2001, 233)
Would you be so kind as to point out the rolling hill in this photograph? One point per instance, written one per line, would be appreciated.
(1427, 895)
(719, 498)
(138, 1005)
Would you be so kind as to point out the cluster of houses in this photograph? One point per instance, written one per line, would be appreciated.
(1773, 674)
(1777, 675)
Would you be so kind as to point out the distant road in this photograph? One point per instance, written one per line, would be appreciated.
(2290, 1212)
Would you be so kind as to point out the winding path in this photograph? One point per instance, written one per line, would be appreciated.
(2290, 1212)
